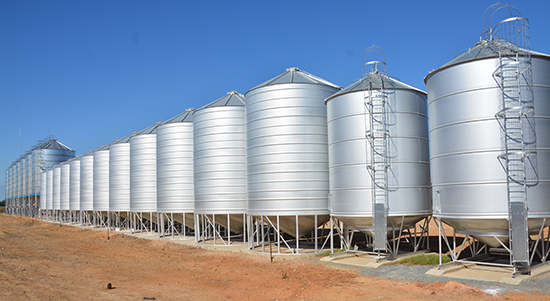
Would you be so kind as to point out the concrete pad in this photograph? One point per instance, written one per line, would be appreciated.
(362, 260)
(496, 274)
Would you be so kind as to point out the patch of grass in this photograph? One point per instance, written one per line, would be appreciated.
(424, 259)
(328, 252)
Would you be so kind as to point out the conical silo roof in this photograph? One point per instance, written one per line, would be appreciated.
(55, 144)
(232, 98)
(487, 49)
(186, 116)
(375, 80)
(151, 129)
(295, 75)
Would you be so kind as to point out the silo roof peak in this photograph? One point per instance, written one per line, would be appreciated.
(295, 75)
(232, 98)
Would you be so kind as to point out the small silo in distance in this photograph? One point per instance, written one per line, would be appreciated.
(379, 157)
(101, 186)
(490, 143)
(219, 165)
(143, 177)
(43, 193)
(49, 195)
(175, 196)
(287, 153)
(56, 196)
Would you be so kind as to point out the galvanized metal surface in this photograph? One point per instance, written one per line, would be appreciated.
(287, 151)
(49, 191)
(143, 173)
(56, 196)
(119, 177)
(74, 183)
(65, 186)
(175, 167)
(43, 190)
(101, 180)
(219, 156)
(87, 183)
(466, 142)
(409, 191)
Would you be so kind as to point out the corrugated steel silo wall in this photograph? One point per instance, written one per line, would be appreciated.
(87, 183)
(350, 153)
(101, 181)
(465, 141)
(65, 186)
(56, 197)
(43, 190)
(143, 173)
(49, 195)
(287, 151)
(175, 167)
(119, 177)
(219, 160)
(74, 191)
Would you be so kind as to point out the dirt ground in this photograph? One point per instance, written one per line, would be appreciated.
(45, 261)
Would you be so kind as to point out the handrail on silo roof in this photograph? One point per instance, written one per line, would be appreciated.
(377, 66)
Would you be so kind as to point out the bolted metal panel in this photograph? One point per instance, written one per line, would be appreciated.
(219, 157)
(101, 180)
(65, 186)
(465, 142)
(56, 197)
(87, 183)
(119, 177)
(175, 167)
(43, 190)
(74, 184)
(49, 190)
(143, 173)
(287, 151)
(409, 192)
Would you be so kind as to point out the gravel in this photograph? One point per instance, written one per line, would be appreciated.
(410, 273)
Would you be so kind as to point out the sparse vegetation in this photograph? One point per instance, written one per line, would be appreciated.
(328, 252)
(424, 259)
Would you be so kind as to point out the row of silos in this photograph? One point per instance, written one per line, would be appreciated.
(279, 155)
(23, 176)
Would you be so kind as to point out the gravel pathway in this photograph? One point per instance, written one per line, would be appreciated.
(539, 283)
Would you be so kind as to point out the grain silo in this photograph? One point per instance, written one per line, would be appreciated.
(143, 178)
(64, 191)
(220, 169)
(175, 197)
(43, 192)
(86, 188)
(119, 181)
(74, 190)
(490, 143)
(56, 194)
(379, 158)
(101, 216)
(49, 195)
(287, 155)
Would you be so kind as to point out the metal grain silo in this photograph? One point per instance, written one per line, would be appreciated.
(175, 198)
(65, 190)
(219, 165)
(287, 151)
(379, 156)
(43, 192)
(87, 184)
(119, 178)
(56, 196)
(101, 184)
(74, 189)
(490, 142)
(143, 174)
(49, 194)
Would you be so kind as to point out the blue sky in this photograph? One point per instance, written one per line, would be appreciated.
(89, 72)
